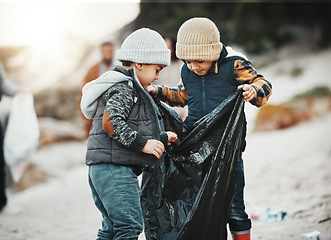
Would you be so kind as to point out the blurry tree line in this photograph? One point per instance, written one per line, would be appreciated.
(256, 26)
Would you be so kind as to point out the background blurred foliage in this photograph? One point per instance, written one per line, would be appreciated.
(256, 26)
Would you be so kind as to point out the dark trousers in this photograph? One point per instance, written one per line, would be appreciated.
(239, 222)
(3, 198)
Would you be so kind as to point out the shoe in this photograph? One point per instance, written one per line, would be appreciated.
(245, 236)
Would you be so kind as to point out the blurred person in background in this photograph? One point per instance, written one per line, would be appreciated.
(106, 64)
(9, 89)
(171, 75)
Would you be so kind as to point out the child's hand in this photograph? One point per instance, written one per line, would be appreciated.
(249, 92)
(152, 89)
(172, 137)
(154, 147)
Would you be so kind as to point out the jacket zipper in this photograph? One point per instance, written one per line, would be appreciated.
(203, 96)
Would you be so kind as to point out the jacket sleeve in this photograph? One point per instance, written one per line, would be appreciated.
(119, 103)
(175, 97)
(245, 74)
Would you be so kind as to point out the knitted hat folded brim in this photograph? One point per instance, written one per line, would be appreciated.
(205, 52)
(154, 56)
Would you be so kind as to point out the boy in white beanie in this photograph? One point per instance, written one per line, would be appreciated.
(210, 74)
(127, 134)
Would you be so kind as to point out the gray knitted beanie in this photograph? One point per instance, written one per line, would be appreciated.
(144, 46)
(198, 39)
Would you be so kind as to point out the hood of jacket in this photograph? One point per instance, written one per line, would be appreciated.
(232, 53)
(229, 52)
(93, 90)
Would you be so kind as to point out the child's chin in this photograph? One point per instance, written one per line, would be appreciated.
(200, 73)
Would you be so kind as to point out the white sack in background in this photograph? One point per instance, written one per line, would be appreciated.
(22, 134)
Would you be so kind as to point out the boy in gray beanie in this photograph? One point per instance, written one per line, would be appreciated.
(211, 73)
(127, 134)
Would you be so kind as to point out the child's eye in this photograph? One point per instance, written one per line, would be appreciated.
(188, 62)
(200, 61)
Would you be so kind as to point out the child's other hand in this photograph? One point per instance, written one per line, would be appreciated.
(154, 147)
(248, 92)
(152, 89)
(172, 137)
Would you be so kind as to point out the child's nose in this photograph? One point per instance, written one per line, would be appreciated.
(194, 66)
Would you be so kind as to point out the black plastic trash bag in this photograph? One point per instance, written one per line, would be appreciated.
(190, 192)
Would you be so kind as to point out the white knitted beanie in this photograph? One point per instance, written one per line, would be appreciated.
(144, 46)
(198, 39)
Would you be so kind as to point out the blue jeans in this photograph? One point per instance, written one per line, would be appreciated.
(116, 193)
(239, 221)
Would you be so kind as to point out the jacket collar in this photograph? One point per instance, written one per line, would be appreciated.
(123, 70)
(129, 73)
(223, 55)
(214, 66)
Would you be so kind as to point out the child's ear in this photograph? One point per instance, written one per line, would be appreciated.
(139, 66)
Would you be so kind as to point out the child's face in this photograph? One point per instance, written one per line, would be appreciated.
(148, 73)
(199, 67)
